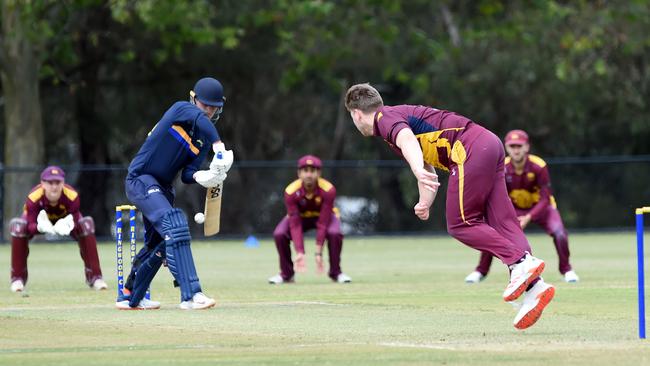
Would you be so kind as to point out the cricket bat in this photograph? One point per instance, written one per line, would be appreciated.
(212, 210)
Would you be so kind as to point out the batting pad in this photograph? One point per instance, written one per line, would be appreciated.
(145, 274)
(179, 254)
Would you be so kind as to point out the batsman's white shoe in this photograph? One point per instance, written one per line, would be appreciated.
(571, 277)
(277, 280)
(199, 302)
(144, 304)
(99, 284)
(521, 274)
(343, 278)
(17, 286)
(535, 300)
(474, 277)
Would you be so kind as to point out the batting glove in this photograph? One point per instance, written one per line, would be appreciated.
(222, 161)
(64, 226)
(43, 223)
(209, 178)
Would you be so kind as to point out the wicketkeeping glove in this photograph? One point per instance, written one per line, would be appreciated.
(43, 223)
(64, 226)
(209, 178)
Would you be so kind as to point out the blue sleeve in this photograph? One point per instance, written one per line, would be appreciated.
(189, 170)
(208, 129)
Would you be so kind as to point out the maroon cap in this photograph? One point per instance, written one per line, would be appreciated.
(53, 172)
(516, 137)
(309, 160)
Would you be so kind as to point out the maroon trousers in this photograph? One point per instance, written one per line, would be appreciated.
(551, 222)
(87, 250)
(479, 211)
(334, 238)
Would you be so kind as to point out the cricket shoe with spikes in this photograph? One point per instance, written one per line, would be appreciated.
(278, 279)
(522, 274)
(571, 277)
(145, 304)
(17, 286)
(99, 284)
(474, 277)
(535, 300)
(343, 278)
(199, 302)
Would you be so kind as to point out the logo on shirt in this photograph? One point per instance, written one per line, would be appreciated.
(530, 176)
(318, 200)
(200, 143)
(153, 190)
(453, 171)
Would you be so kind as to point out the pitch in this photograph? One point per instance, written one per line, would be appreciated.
(407, 305)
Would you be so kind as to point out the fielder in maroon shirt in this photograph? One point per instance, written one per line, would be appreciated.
(529, 187)
(310, 205)
(52, 207)
(479, 212)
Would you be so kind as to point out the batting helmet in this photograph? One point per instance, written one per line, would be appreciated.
(209, 92)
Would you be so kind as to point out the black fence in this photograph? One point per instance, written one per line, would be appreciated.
(375, 197)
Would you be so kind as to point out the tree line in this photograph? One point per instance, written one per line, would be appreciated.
(84, 80)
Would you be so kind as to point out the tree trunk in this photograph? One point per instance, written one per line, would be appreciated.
(342, 119)
(93, 132)
(24, 129)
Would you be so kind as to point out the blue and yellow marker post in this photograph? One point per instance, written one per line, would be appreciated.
(640, 270)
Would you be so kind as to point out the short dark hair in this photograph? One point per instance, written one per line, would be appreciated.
(363, 97)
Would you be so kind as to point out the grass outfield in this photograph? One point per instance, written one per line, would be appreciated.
(407, 305)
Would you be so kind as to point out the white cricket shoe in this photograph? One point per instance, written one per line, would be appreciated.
(535, 300)
(199, 302)
(474, 277)
(521, 274)
(277, 280)
(17, 286)
(99, 284)
(343, 278)
(145, 304)
(571, 277)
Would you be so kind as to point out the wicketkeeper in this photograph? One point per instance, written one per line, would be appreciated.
(310, 205)
(52, 207)
(179, 142)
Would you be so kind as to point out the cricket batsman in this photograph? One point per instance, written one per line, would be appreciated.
(178, 143)
(310, 205)
(478, 209)
(529, 188)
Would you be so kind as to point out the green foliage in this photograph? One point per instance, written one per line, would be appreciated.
(572, 73)
(173, 23)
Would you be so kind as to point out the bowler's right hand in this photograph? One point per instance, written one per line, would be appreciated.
(427, 179)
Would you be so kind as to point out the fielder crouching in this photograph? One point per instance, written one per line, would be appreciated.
(310, 205)
(52, 207)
